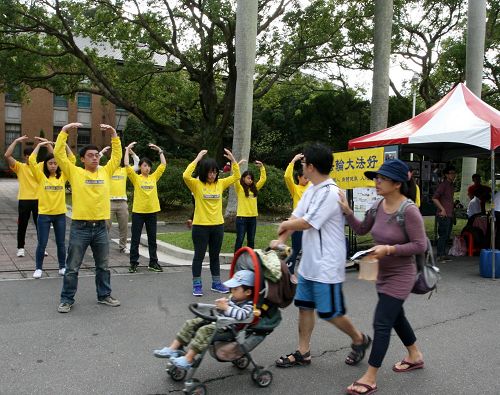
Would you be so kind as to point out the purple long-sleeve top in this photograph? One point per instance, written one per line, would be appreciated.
(396, 273)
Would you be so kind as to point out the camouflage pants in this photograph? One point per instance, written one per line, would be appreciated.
(198, 332)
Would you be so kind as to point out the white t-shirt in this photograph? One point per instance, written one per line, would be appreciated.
(474, 207)
(323, 245)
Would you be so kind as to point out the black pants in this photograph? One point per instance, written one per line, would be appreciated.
(389, 314)
(203, 236)
(138, 221)
(25, 209)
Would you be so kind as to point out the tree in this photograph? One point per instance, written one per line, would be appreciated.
(170, 63)
(382, 54)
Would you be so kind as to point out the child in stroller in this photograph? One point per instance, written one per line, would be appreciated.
(233, 339)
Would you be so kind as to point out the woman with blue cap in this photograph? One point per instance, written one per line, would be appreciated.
(395, 247)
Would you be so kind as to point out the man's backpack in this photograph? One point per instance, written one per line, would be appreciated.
(427, 271)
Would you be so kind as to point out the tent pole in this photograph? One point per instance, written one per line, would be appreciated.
(493, 184)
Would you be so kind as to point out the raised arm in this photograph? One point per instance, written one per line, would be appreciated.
(50, 147)
(116, 149)
(104, 151)
(160, 151)
(10, 150)
(37, 170)
(126, 159)
(136, 160)
(60, 153)
(226, 182)
(289, 181)
(263, 175)
(187, 176)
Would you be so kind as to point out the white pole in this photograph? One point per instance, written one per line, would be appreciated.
(493, 182)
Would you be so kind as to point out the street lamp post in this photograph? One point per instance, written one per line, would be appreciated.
(414, 82)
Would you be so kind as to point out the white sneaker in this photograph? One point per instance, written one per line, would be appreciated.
(125, 250)
(62, 271)
(37, 273)
(45, 253)
(20, 252)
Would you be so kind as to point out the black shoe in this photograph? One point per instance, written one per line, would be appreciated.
(133, 267)
(154, 267)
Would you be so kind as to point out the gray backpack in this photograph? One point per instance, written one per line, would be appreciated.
(427, 271)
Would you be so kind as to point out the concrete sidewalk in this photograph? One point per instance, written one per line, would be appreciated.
(13, 267)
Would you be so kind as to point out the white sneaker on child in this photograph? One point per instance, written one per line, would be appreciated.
(166, 352)
(37, 273)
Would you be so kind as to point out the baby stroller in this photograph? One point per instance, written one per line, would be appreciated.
(233, 340)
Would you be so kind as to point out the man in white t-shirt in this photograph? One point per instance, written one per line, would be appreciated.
(322, 266)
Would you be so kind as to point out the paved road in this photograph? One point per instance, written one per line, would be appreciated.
(104, 350)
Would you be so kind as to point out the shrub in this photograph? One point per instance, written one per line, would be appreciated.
(274, 194)
(172, 191)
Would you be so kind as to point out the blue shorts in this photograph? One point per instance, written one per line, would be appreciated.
(327, 299)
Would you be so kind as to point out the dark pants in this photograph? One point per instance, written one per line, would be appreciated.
(445, 225)
(246, 225)
(204, 236)
(296, 247)
(25, 209)
(83, 234)
(138, 222)
(59, 223)
(389, 314)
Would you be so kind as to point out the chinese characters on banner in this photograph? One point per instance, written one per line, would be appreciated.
(349, 167)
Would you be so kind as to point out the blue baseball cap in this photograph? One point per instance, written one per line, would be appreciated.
(394, 169)
(242, 277)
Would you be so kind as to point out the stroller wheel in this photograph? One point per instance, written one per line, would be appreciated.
(197, 389)
(176, 373)
(262, 377)
(241, 363)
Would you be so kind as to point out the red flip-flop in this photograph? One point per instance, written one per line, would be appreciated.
(369, 389)
(411, 366)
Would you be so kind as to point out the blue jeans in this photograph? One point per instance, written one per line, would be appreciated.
(246, 225)
(138, 221)
(43, 229)
(445, 224)
(82, 235)
(296, 247)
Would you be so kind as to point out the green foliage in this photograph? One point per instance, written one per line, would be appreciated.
(172, 191)
(273, 196)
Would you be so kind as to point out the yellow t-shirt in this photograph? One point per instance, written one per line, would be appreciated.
(247, 206)
(296, 190)
(90, 190)
(51, 191)
(417, 198)
(28, 184)
(208, 197)
(118, 189)
(145, 190)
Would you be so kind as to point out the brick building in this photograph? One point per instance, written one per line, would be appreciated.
(46, 112)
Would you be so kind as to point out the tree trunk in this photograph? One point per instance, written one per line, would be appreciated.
(381, 59)
(476, 32)
(246, 37)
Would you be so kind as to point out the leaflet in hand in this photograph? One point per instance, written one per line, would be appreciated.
(361, 254)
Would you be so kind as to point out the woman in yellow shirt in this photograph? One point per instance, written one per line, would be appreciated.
(208, 223)
(145, 206)
(51, 206)
(296, 191)
(246, 215)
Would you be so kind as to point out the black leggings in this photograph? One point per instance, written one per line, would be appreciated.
(25, 209)
(389, 314)
(203, 236)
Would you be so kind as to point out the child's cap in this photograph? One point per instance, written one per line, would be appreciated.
(242, 277)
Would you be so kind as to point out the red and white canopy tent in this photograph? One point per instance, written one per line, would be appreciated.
(460, 124)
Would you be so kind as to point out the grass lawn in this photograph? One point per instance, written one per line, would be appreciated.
(266, 233)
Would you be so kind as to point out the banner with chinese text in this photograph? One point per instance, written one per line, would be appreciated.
(349, 167)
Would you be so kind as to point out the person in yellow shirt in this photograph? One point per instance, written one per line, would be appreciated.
(51, 206)
(208, 222)
(91, 207)
(145, 206)
(27, 197)
(246, 215)
(118, 195)
(296, 191)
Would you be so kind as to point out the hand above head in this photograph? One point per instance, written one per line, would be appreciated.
(131, 145)
(259, 163)
(107, 128)
(105, 150)
(229, 155)
(40, 139)
(22, 138)
(70, 127)
(44, 143)
(241, 162)
(344, 204)
(201, 154)
(297, 157)
(155, 147)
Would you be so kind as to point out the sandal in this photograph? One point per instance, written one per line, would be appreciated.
(411, 366)
(298, 360)
(358, 351)
(369, 389)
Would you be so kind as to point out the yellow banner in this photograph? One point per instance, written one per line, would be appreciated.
(349, 167)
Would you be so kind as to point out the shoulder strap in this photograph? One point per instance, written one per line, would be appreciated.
(400, 214)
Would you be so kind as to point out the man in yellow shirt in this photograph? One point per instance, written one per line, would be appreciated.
(91, 208)
(27, 196)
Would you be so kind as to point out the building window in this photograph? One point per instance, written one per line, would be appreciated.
(60, 101)
(12, 132)
(83, 138)
(84, 101)
(55, 132)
